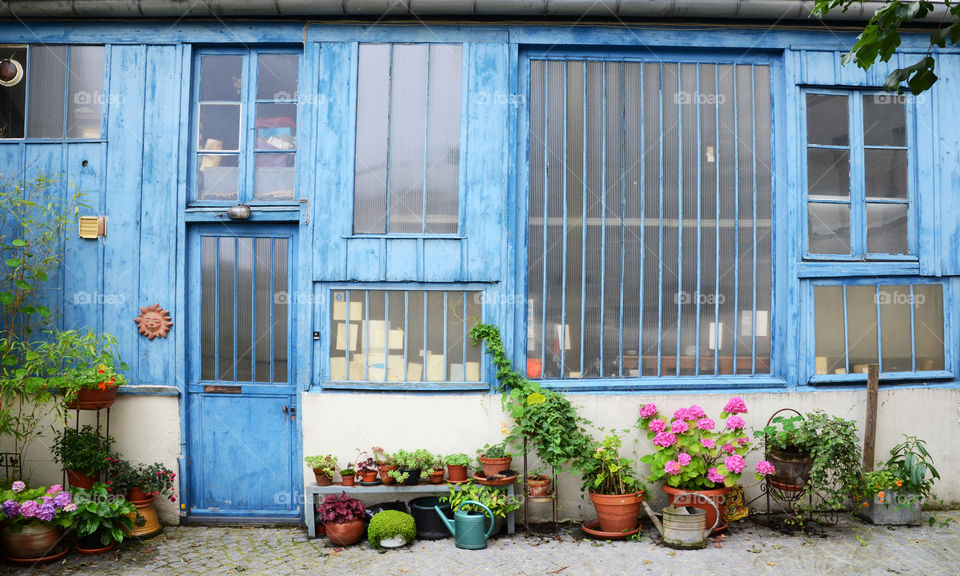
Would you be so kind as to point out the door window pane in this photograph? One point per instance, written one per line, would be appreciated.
(887, 228)
(828, 173)
(829, 228)
(85, 99)
(884, 120)
(886, 173)
(221, 77)
(928, 326)
(827, 120)
(13, 99)
(277, 77)
(48, 65)
(831, 357)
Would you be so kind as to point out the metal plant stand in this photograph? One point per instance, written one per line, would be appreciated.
(527, 499)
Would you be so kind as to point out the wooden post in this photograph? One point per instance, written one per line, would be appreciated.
(870, 429)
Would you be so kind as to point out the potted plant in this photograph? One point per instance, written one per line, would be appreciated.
(100, 518)
(88, 365)
(385, 464)
(539, 484)
(324, 467)
(457, 467)
(494, 458)
(83, 453)
(391, 529)
(894, 493)
(343, 518)
(366, 467)
(348, 475)
(614, 488)
(140, 484)
(497, 500)
(33, 521)
(696, 455)
(409, 466)
(434, 470)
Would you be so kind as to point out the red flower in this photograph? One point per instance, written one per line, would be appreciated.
(100, 371)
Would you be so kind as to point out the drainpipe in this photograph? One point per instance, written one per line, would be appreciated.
(601, 9)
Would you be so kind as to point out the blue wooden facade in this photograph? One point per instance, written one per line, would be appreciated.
(140, 173)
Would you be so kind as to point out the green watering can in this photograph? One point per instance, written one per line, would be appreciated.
(467, 526)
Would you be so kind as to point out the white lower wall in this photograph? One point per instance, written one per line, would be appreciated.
(340, 423)
(146, 429)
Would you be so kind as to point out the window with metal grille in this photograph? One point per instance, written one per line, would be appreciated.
(59, 94)
(649, 232)
(898, 326)
(407, 167)
(404, 336)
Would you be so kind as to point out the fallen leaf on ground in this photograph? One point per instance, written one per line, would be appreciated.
(771, 563)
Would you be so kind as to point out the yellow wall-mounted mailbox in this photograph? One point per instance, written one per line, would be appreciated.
(93, 227)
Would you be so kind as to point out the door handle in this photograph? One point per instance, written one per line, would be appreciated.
(285, 409)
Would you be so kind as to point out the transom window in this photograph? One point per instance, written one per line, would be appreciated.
(59, 93)
(404, 336)
(246, 126)
(407, 168)
(649, 239)
(858, 183)
(898, 326)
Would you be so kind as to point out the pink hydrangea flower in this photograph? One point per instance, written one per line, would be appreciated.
(29, 509)
(665, 439)
(728, 448)
(708, 442)
(680, 414)
(705, 424)
(735, 463)
(684, 458)
(765, 468)
(743, 441)
(735, 405)
(648, 410)
(657, 425)
(735, 423)
(54, 489)
(18, 486)
(672, 467)
(715, 477)
(679, 427)
(694, 412)
(71, 507)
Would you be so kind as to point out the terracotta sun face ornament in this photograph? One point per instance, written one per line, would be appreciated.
(153, 321)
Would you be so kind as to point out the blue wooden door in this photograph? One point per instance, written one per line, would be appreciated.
(242, 417)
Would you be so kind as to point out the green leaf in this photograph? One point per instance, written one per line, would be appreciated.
(22, 284)
(19, 243)
(14, 262)
(6, 298)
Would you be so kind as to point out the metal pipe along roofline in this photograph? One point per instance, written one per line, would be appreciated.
(601, 9)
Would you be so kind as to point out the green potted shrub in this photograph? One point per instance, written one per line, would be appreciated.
(614, 487)
(457, 465)
(833, 449)
(342, 517)
(87, 366)
(100, 518)
(324, 467)
(140, 484)
(83, 453)
(33, 520)
(391, 529)
(894, 492)
(494, 458)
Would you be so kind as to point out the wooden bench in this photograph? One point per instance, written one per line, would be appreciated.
(311, 491)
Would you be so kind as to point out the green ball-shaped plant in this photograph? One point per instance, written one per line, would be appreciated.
(387, 524)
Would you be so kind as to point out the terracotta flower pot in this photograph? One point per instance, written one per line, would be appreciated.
(78, 479)
(385, 474)
(347, 533)
(698, 499)
(322, 479)
(145, 509)
(349, 479)
(456, 473)
(494, 466)
(93, 399)
(436, 476)
(33, 541)
(539, 487)
(616, 512)
(369, 476)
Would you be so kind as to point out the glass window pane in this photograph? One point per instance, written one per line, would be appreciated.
(280, 306)
(373, 113)
(455, 340)
(274, 177)
(535, 220)
(884, 120)
(829, 321)
(407, 137)
(415, 337)
(827, 121)
(436, 316)
(374, 333)
(887, 226)
(219, 127)
(13, 98)
(48, 65)
(569, 332)
(886, 173)
(85, 101)
(593, 229)
(829, 228)
(277, 77)
(828, 173)
(338, 335)
(862, 327)
(276, 127)
(245, 335)
(613, 137)
(443, 139)
(764, 219)
(474, 360)
(928, 326)
(217, 177)
(208, 307)
(895, 340)
(221, 77)
(263, 301)
(395, 336)
(226, 302)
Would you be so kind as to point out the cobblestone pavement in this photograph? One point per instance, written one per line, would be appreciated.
(850, 547)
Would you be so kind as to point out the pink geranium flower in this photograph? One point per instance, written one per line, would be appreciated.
(735, 405)
(657, 425)
(648, 410)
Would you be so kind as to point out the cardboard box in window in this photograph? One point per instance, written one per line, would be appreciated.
(821, 365)
(338, 369)
(435, 371)
(340, 342)
(340, 311)
(395, 367)
(472, 373)
(414, 371)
